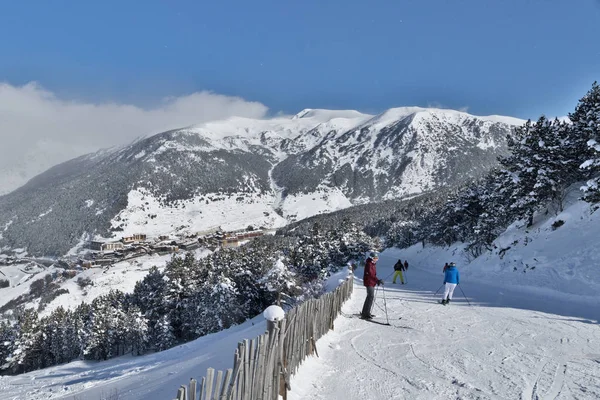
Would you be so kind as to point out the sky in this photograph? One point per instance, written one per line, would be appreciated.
(138, 68)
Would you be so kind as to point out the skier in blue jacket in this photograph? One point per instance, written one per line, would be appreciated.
(451, 279)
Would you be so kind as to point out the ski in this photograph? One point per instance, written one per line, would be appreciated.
(370, 320)
(378, 322)
(357, 316)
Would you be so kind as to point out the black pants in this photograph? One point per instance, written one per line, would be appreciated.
(366, 311)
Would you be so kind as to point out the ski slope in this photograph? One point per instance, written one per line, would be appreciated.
(506, 345)
(509, 344)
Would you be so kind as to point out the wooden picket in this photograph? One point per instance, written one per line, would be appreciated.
(262, 367)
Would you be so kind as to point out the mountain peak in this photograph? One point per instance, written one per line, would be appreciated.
(326, 115)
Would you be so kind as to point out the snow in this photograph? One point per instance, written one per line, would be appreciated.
(550, 262)
(20, 277)
(238, 130)
(530, 333)
(300, 206)
(121, 275)
(200, 213)
(325, 115)
(274, 313)
(504, 120)
(155, 376)
(395, 114)
(508, 344)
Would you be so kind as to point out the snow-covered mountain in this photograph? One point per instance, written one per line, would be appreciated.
(242, 172)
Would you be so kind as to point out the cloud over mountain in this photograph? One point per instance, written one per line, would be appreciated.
(38, 129)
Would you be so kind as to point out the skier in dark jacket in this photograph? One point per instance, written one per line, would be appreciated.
(370, 280)
(451, 279)
(398, 267)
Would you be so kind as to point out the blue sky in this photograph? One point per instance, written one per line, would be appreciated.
(511, 57)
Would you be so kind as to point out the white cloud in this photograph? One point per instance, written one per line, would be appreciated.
(437, 104)
(39, 130)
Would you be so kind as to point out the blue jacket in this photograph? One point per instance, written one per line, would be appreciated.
(452, 275)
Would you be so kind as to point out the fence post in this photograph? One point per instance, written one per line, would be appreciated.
(262, 368)
(274, 314)
(181, 393)
(283, 378)
(192, 392)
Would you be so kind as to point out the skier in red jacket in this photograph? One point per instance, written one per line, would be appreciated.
(370, 280)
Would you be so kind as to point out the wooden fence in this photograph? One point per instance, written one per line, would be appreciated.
(262, 367)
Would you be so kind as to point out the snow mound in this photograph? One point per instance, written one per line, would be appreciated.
(274, 313)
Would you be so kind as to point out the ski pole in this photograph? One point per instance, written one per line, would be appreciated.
(464, 294)
(388, 276)
(436, 292)
(385, 306)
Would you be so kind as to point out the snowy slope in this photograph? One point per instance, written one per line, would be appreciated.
(551, 262)
(195, 215)
(151, 377)
(531, 331)
(507, 345)
(120, 276)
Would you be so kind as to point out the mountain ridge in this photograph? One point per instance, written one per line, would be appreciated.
(279, 170)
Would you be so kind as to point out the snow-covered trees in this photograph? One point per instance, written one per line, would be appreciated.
(149, 296)
(189, 298)
(586, 124)
(539, 168)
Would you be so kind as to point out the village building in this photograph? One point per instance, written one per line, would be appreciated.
(105, 246)
(230, 242)
(138, 237)
(111, 246)
(88, 264)
(95, 245)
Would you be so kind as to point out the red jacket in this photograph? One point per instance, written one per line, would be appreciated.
(370, 277)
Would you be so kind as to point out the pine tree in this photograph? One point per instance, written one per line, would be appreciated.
(533, 170)
(586, 125)
(82, 318)
(184, 276)
(150, 296)
(163, 337)
(27, 354)
(7, 344)
(107, 333)
(494, 217)
(135, 337)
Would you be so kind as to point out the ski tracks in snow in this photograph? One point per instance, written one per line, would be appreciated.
(452, 352)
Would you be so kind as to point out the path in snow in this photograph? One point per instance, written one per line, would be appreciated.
(507, 345)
